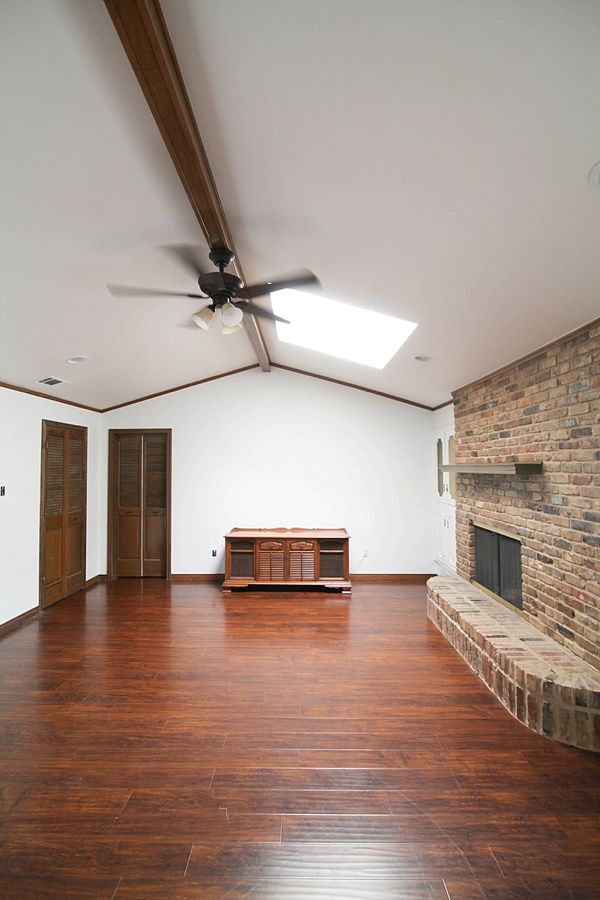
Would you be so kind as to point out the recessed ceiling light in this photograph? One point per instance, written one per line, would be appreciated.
(75, 360)
(338, 329)
(423, 358)
(594, 176)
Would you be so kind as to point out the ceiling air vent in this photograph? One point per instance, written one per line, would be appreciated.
(52, 381)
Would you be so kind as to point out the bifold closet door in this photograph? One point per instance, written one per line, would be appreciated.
(140, 472)
(63, 511)
(128, 505)
(155, 496)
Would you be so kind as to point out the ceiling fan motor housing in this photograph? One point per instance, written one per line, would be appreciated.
(220, 286)
(222, 257)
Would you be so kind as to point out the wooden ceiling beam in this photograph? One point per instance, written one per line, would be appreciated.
(143, 32)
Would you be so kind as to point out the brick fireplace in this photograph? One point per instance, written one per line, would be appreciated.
(546, 409)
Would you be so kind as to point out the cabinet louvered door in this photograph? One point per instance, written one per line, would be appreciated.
(63, 516)
(271, 559)
(154, 526)
(140, 500)
(301, 561)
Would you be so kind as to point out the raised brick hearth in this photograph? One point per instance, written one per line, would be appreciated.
(541, 683)
(544, 409)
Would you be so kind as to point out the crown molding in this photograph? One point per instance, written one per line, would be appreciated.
(357, 387)
(190, 384)
(179, 387)
(528, 356)
(441, 405)
(23, 390)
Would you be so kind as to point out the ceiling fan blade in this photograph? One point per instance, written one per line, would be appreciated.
(263, 313)
(188, 256)
(123, 290)
(300, 279)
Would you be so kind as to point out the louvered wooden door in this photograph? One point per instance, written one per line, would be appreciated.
(128, 506)
(154, 494)
(140, 484)
(63, 511)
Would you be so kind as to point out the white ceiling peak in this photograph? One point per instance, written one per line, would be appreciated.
(427, 160)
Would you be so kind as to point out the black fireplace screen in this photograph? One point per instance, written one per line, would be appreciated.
(498, 565)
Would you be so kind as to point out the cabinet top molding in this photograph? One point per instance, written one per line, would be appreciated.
(339, 533)
(481, 468)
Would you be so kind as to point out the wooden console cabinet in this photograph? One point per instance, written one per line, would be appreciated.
(287, 556)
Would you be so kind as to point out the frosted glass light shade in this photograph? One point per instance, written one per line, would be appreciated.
(203, 318)
(230, 329)
(231, 315)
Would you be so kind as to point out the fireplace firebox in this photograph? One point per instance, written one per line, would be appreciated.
(498, 565)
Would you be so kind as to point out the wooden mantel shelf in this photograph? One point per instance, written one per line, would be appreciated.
(479, 468)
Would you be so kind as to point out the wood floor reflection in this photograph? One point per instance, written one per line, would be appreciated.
(157, 740)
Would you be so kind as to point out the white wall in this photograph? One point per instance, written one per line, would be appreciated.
(440, 421)
(443, 419)
(281, 449)
(249, 450)
(444, 521)
(20, 468)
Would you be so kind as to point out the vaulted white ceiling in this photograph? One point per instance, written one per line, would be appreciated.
(427, 159)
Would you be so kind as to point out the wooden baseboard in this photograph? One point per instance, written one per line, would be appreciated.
(19, 620)
(31, 613)
(97, 579)
(198, 578)
(393, 578)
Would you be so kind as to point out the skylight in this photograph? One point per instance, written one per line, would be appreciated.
(338, 329)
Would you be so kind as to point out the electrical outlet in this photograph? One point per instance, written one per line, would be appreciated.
(214, 553)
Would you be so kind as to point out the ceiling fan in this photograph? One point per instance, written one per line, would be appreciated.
(227, 297)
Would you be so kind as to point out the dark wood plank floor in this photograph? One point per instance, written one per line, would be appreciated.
(161, 741)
